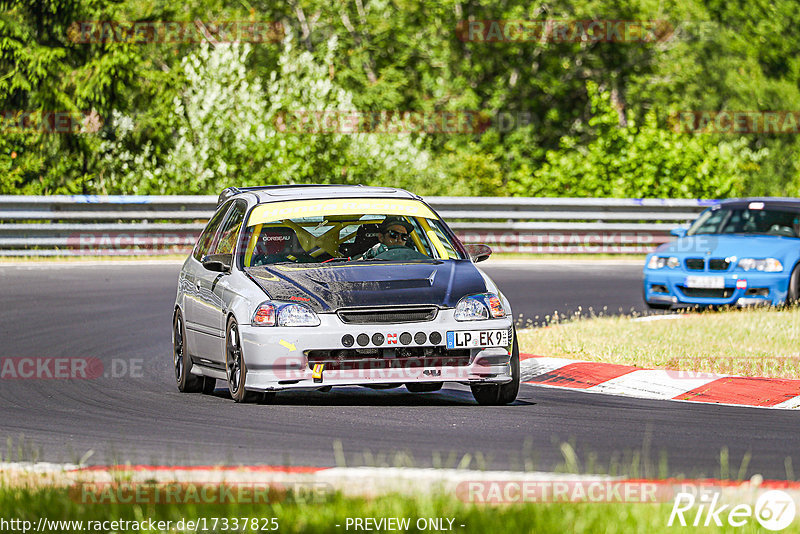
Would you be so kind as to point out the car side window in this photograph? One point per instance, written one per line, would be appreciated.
(204, 242)
(229, 231)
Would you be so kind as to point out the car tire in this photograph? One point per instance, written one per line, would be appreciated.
(793, 295)
(235, 366)
(502, 394)
(424, 387)
(181, 361)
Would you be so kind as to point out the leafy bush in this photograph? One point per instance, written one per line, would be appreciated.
(228, 130)
(191, 117)
(640, 160)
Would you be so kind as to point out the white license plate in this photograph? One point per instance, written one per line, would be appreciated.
(477, 338)
(705, 282)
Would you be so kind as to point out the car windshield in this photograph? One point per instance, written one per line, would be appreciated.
(338, 230)
(754, 219)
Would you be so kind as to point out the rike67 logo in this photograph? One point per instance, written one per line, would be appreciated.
(774, 510)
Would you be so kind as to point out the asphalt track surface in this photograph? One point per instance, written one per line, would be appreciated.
(121, 315)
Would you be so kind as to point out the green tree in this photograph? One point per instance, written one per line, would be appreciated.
(641, 160)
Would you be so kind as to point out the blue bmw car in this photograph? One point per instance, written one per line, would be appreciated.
(738, 252)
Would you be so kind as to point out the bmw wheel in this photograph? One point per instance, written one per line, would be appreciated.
(235, 365)
(498, 395)
(182, 362)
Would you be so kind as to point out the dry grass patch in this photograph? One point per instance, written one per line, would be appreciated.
(747, 342)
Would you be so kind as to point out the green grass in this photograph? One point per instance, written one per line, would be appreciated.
(746, 342)
(299, 516)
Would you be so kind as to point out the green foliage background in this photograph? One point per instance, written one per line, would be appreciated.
(196, 117)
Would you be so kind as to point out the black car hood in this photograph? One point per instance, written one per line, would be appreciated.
(334, 286)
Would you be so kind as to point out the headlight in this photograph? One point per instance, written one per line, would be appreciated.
(659, 262)
(479, 307)
(297, 315)
(272, 313)
(767, 265)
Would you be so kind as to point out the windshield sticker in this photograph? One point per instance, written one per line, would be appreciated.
(277, 211)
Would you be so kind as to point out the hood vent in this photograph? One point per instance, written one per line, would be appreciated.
(387, 315)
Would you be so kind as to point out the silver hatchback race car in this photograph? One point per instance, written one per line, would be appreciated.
(309, 287)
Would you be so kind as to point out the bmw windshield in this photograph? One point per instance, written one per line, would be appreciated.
(753, 219)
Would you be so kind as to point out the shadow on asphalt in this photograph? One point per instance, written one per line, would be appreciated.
(357, 396)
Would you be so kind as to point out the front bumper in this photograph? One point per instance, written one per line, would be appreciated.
(279, 358)
(741, 288)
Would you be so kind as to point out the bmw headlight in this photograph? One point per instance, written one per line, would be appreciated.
(659, 262)
(767, 265)
(275, 313)
(479, 307)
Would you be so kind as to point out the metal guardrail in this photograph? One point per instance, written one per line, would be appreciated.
(156, 225)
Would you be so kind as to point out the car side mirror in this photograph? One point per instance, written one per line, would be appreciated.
(478, 253)
(678, 232)
(219, 263)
